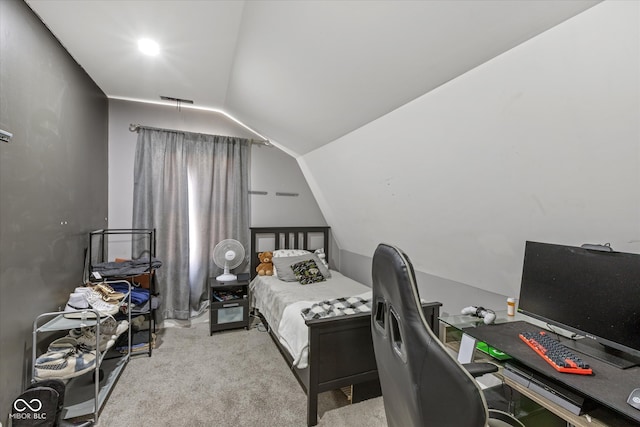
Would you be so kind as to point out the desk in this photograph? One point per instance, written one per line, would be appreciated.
(609, 387)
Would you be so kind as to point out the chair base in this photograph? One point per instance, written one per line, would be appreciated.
(502, 419)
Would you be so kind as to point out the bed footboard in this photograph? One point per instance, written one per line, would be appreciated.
(341, 354)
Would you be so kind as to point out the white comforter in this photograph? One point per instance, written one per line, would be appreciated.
(281, 302)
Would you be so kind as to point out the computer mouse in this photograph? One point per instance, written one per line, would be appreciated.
(634, 398)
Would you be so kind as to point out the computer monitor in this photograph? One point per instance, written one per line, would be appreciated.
(594, 294)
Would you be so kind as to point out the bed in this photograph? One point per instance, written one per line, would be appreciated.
(329, 353)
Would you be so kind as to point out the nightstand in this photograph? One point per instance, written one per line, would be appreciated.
(229, 305)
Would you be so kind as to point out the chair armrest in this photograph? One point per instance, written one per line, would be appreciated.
(480, 368)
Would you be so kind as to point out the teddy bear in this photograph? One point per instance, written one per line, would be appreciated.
(265, 268)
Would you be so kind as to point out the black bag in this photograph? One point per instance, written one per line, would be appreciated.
(57, 385)
(41, 405)
(36, 406)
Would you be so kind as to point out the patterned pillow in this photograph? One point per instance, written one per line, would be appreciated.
(284, 253)
(285, 272)
(307, 272)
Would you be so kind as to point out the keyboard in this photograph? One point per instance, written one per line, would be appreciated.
(555, 354)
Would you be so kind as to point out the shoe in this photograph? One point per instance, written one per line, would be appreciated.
(108, 294)
(63, 345)
(64, 365)
(83, 289)
(105, 308)
(112, 327)
(52, 356)
(89, 293)
(137, 323)
(75, 332)
(92, 299)
(88, 340)
(77, 307)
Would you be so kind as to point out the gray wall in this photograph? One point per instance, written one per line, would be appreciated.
(53, 182)
(453, 295)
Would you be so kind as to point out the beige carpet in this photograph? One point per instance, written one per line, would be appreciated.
(233, 378)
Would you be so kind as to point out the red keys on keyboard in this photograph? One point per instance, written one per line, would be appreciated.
(555, 354)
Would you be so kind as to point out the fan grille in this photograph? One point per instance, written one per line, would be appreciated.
(223, 248)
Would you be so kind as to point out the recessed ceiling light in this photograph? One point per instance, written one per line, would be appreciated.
(148, 47)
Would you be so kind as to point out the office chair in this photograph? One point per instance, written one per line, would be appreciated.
(422, 384)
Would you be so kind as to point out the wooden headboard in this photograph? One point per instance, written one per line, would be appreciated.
(286, 238)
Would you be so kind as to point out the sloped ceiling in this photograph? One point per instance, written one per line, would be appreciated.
(301, 73)
(541, 143)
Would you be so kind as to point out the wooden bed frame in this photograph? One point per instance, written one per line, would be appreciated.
(340, 348)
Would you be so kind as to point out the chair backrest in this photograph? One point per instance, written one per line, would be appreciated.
(422, 384)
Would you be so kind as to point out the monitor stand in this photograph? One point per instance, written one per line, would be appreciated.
(601, 352)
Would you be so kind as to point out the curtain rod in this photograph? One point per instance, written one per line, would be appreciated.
(135, 127)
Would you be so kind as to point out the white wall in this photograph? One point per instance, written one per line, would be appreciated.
(541, 143)
(272, 170)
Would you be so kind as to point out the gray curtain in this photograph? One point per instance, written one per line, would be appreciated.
(194, 190)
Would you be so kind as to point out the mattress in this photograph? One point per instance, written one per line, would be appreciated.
(281, 303)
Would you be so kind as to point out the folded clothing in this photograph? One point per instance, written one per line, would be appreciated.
(138, 295)
(132, 267)
(139, 342)
(151, 304)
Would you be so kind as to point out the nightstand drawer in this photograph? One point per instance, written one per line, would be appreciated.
(230, 312)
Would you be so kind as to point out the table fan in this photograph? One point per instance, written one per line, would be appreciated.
(228, 254)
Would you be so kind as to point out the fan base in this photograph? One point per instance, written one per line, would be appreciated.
(226, 277)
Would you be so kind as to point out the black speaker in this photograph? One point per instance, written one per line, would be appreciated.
(243, 277)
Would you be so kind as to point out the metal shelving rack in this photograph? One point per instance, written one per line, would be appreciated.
(149, 234)
(84, 397)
